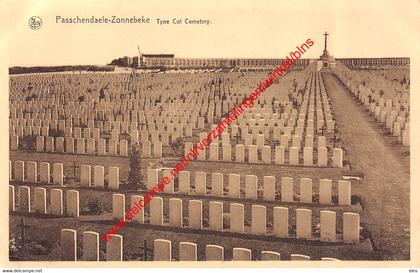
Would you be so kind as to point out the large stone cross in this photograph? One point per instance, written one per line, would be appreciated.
(325, 43)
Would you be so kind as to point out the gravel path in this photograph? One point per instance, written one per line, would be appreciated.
(385, 190)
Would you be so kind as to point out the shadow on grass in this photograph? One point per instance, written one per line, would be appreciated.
(39, 215)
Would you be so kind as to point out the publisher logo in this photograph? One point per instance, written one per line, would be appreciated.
(35, 22)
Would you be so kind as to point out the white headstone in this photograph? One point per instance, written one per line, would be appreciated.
(195, 214)
(175, 212)
(214, 253)
(269, 188)
(328, 225)
(344, 192)
(217, 184)
(279, 155)
(187, 251)
(281, 222)
(114, 178)
(200, 183)
(72, 203)
(259, 222)
(156, 211)
(351, 227)
(58, 174)
(68, 245)
(241, 254)
(184, 182)
(118, 206)
(90, 246)
(325, 186)
(56, 207)
(287, 189)
(234, 185)
(40, 200)
(216, 216)
(114, 248)
(270, 256)
(24, 198)
(303, 223)
(136, 203)
(85, 175)
(162, 250)
(306, 190)
(99, 177)
(251, 186)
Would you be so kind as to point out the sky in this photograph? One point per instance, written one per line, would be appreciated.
(238, 29)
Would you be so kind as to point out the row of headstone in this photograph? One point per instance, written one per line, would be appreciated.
(278, 127)
(188, 252)
(74, 111)
(106, 121)
(25, 127)
(84, 112)
(251, 189)
(89, 146)
(82, 146)
(96, 178)
(141, 107)
(115, 134)
(396, 96)
(259, 140)
(162, 250)
(387, 112)
(237, 214)
(22, 131)
(250, 154)
(88, 178)
(40, 205)
(33, 175)
(63, 123)
(315, 99)
(397, 125)
(143, 135)
(256, 138)
(286, 140)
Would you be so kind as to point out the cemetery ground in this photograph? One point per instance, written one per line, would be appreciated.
(380, 196)
(386, 168)
(134, 234)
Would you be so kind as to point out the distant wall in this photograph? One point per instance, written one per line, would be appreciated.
(46, 69)
(374, 62)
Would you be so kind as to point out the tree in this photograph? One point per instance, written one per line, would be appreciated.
(134, 175)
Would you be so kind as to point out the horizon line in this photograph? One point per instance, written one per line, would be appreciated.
(219, 58)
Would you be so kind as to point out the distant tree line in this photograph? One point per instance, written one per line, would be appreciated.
(46, 69)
